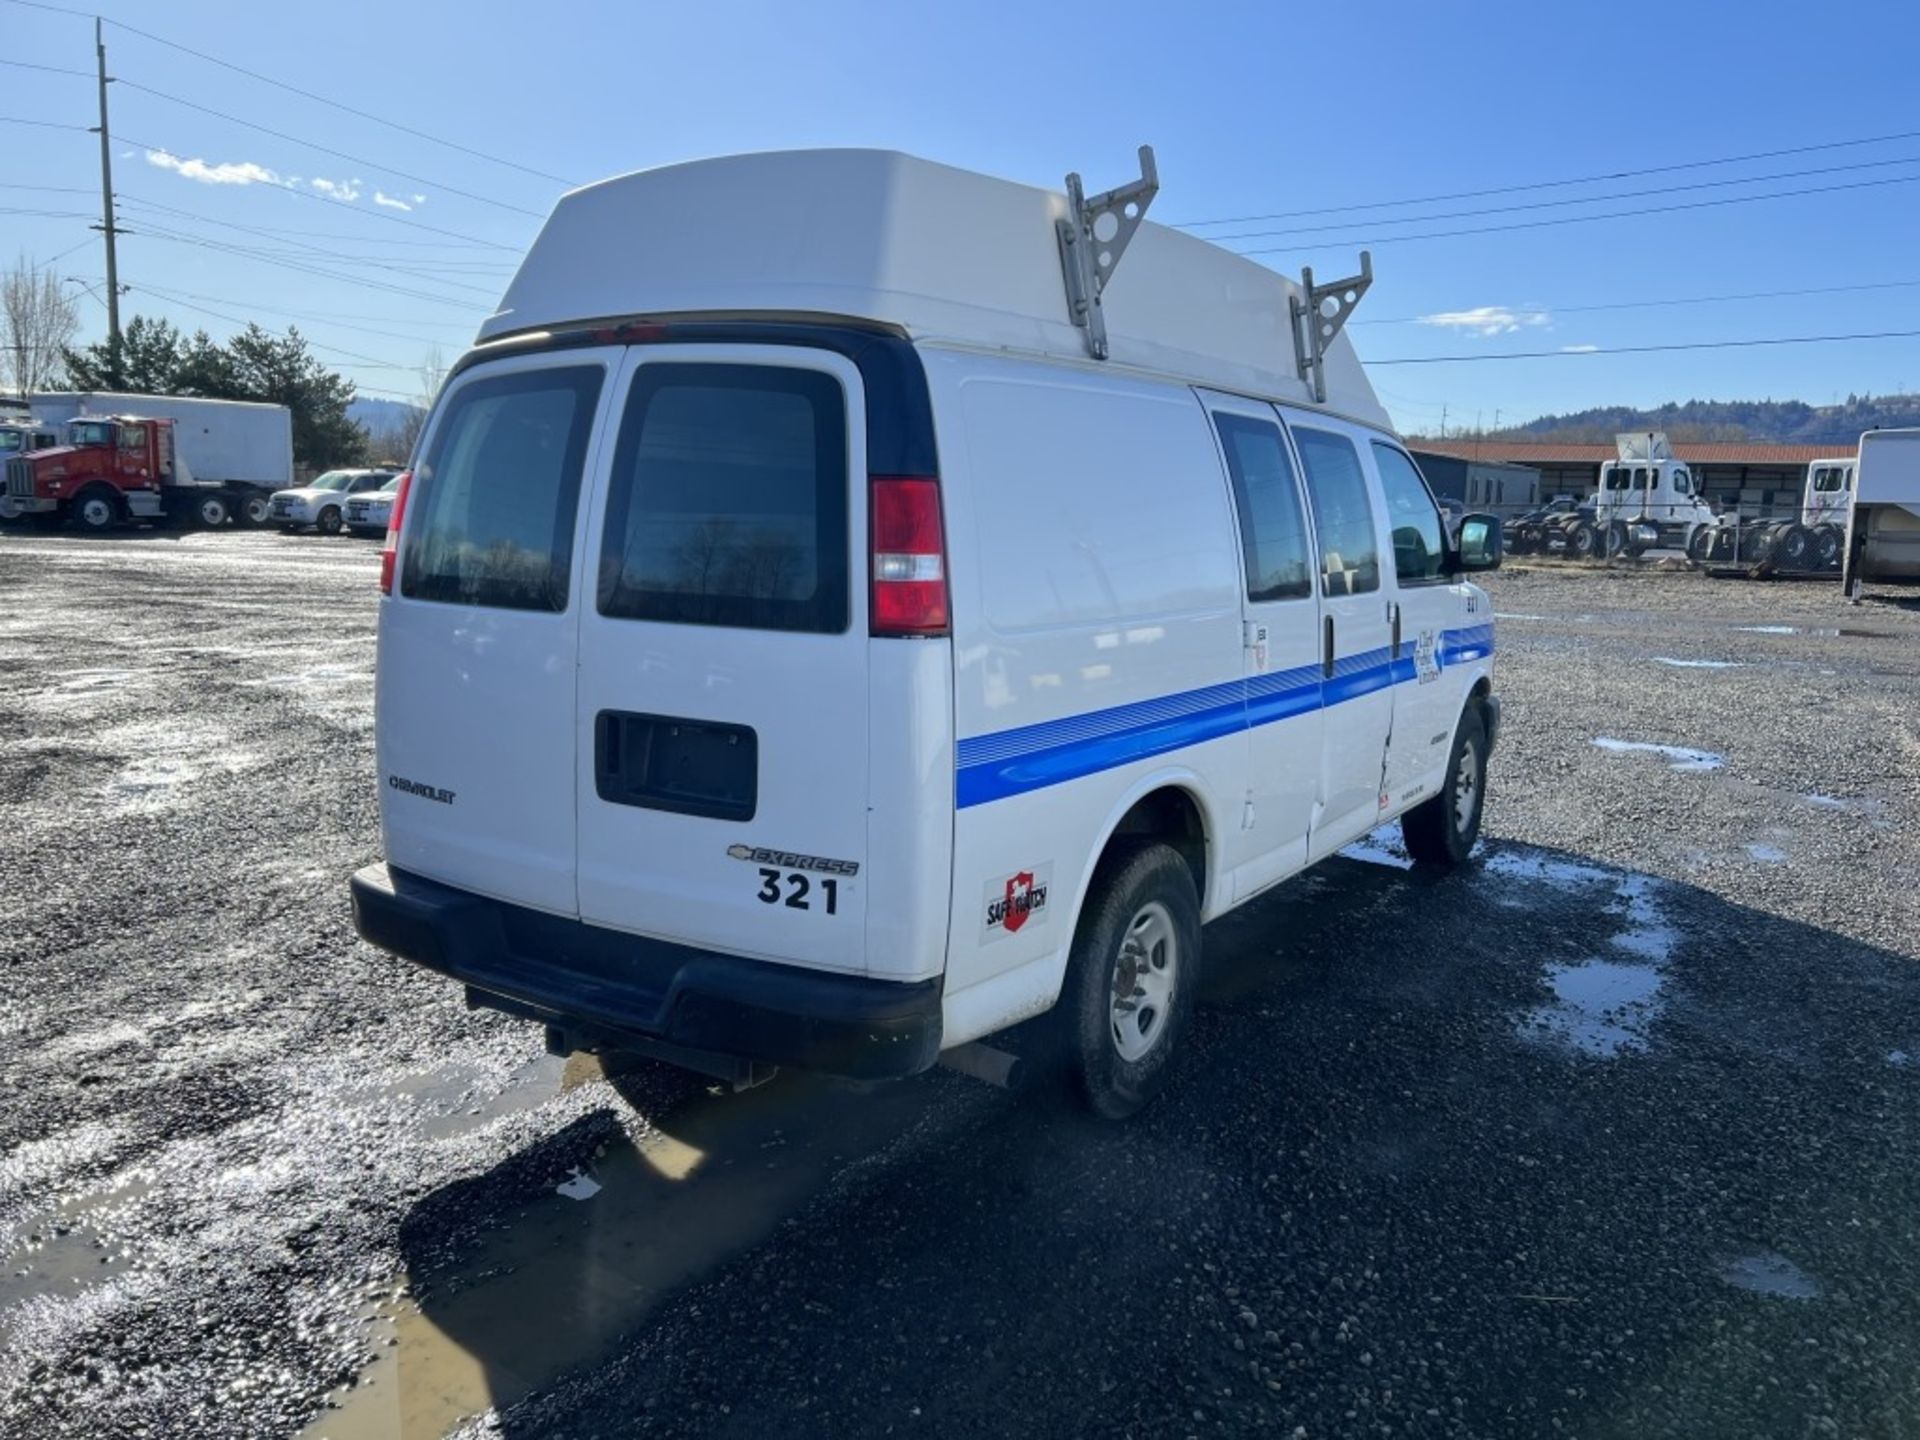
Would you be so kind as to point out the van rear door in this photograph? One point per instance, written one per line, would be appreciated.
(478, 645)
(722, 721)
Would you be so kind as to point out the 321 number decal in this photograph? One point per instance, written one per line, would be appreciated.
(797, 887)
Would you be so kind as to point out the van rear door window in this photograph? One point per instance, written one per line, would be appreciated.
(499, 489)
(728, 500)
(1273, 532)
(1342, 513)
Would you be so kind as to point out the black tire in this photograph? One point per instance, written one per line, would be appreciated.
(329, 521)
(1794, 548)
(1700, 544)
(1583, 541)
(1440, 832)
(254, 510)
(1827, 541)
(1615, 538)
(212, 511)
(96, 510)
(1143, 890)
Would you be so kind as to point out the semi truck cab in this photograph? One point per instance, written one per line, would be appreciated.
(112, 469)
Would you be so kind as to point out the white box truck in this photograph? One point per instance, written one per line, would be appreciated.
(1883, 523)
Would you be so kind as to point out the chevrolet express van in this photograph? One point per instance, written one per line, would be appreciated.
(839, 612)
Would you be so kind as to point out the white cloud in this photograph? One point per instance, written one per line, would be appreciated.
(419, 199)
(382, 198)
(1578, 349)
(336, 189)
(1488, 320)
(237, 172)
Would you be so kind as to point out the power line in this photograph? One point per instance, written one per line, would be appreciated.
(1546, 309)
(1585, 219)
(296, 90)
(1555, 184)
(1581, 351)
(1580, 200)
(320, 317)
(157, 232)
(43, 124)
(327, 149)
(235, 320)
(50, 69)
(319, 250)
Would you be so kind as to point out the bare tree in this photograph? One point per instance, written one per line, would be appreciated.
(39, 321)
(399, 438)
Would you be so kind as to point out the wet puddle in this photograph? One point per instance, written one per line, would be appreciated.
(1600, 1007)
(583, 1265)
(75, 1247)
(1822, 632)
(1769, 1274)
(1767, 854)
(1678, 757)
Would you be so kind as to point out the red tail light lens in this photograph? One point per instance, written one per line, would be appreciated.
(390, 552)
(909, 556)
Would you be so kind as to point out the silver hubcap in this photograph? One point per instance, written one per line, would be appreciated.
(212, 513)
(1466, 787)
(96, 512)
(1144, 973)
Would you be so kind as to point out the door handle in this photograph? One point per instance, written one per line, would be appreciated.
(1326, 648)
(1395, 611)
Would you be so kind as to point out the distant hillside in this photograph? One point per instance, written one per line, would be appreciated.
(379, 417)
(1786, 422)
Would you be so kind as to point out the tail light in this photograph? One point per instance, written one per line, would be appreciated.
(390, 552)
(909, 556)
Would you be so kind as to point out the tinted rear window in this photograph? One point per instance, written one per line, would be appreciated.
(497, 494)
(728, 501)
(1342, 513)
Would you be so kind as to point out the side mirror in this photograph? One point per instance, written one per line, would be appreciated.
(1480, 544)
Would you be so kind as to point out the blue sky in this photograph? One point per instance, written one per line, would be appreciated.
(1253, 109)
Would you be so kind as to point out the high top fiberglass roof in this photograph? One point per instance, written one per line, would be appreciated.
(947, 255)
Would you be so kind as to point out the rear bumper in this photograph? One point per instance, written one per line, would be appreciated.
(617, 990)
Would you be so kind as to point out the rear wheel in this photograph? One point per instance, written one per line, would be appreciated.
(211, 511)
(1441, 831)
(96, 510)
(1793, 549)
(1826, 547)
(1700, 545)
(1583, 541)
(1615, 538)
(255, 510)
(329, 522)
(1132, 978)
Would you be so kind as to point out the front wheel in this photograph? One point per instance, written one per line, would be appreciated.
(96, 512)
(329, 522)
(1440, 832)
(1132, 979)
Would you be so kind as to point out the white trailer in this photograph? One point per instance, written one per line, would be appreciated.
(238, 449)
(1883, 523)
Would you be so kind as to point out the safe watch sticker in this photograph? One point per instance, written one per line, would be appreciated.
(1426, 657)
(1014, 902)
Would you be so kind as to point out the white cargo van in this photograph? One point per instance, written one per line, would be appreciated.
(840, 610)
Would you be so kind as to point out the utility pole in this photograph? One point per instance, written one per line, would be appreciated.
(106, 225)
(1443, 420)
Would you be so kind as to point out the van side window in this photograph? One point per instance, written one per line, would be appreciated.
(498, 491)
(728, 500)
(1419, 544)
(1342, 513)
(1273, 531)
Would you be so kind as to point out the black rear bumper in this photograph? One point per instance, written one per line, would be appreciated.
(615, 990)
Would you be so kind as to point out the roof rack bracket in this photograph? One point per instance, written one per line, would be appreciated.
(1093, 236)
(1319, 313)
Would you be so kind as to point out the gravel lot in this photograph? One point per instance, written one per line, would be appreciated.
(1615, 1134)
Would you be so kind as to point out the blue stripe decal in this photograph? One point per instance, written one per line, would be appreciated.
(1031, 757)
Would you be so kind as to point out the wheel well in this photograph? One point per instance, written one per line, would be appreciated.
(1168, 814)
(1482, 688)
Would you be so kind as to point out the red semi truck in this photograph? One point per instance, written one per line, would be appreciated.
(187, 461)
